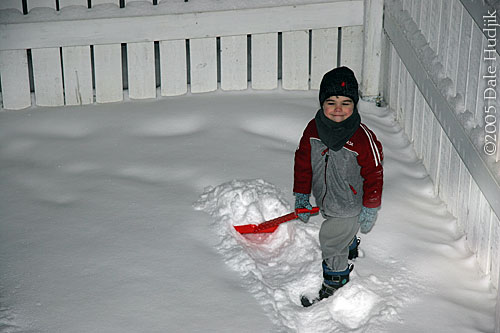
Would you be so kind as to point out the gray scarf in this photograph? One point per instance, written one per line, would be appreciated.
(334, 135)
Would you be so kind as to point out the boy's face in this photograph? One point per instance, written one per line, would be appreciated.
(338, 108)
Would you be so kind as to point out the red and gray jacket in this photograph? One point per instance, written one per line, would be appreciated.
(341, 181)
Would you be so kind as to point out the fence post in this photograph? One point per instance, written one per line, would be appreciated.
(372, 49)
(497, 321)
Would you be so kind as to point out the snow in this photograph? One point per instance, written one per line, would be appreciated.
(119, 218)
(142, 8)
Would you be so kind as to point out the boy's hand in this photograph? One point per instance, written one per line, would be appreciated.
(302, 201)
(367, 218)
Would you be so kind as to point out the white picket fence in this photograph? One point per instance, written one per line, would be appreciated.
(434, 72)
(434, 68)
(74, 56)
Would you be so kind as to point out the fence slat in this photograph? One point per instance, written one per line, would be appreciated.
(415, 10)
(295, 60)
(352, 49)
(434, 15)
(12, 4)
(173, 67)
(40, 3)
(385, 70)
(498, 144)
(463, 196)
(203, 56)
(47, 72)
(141, 70)
(495, 250)
(453, 180)
(15, 79)
(67, 3)
(127, 1)
(424, 18)
(47, 77)
(453, 45)
(324, 53)
(463, 53)
(435, 150)
(427, 138)
(77, 68)
(14, 73)
(409, 106)
(484, 233)
(475, 60)
(77, 75)
(482, 84)
(265, 61)
(108, 67)
(418, 123)
(444, 32)
(373, 43)
(100, 2)
(233, 63)
(401, 93)
(473, 216)
(394, 82)
(108, 73)
(444, 167)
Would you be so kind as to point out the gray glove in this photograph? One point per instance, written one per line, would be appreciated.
(367, 218)
(302, 201)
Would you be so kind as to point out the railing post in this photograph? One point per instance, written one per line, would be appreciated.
(372, 50)
(497, 314)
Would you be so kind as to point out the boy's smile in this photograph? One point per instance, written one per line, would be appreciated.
(338, 108)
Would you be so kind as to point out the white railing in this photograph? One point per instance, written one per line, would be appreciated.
(434, 80)
(438, 63)
(74, 56)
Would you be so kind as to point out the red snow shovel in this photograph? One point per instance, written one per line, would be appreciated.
(271, 225)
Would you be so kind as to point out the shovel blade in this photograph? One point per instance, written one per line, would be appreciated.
(252, 229)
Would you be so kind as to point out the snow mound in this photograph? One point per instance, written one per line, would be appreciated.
(240, 202)
(243, 202)
(279, 267)
(354, 305)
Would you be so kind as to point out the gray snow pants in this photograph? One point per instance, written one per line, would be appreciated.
(335, 235)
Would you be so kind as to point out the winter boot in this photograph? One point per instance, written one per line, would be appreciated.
(353, 248)
(331, 282)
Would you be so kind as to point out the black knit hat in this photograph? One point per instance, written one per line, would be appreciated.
(339, 82)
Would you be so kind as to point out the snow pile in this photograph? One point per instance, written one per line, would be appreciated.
(279, 267)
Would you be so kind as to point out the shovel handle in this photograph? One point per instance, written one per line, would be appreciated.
(271, 225)
(314, 210)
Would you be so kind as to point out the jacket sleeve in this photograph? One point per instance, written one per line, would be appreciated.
(302, 166)
(370, 160)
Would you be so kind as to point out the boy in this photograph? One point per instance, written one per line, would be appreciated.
(340, 160)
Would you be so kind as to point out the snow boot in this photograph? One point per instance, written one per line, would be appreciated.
(331, 282)
(353, 248)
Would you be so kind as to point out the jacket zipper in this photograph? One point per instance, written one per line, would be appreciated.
(325, 152)
(353, 190)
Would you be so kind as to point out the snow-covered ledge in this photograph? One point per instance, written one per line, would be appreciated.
(108, 24)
